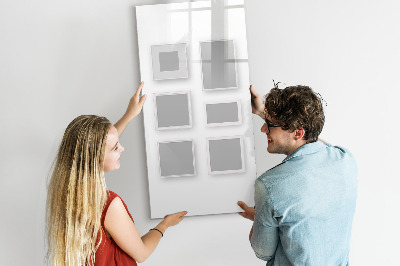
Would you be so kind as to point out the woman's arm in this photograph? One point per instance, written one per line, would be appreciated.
(122, 229)
(134, 108)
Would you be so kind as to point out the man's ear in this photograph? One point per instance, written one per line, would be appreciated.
(299, 134)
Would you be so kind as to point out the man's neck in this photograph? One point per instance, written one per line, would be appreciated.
(297, 145)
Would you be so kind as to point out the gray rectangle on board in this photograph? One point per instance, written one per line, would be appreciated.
(173, 110)
(218, 65)
(225, 155)
(222, 113)
(176, 158)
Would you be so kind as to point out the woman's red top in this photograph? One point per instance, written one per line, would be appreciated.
(108, 253)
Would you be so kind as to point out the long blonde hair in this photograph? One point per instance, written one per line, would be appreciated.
(77, 193)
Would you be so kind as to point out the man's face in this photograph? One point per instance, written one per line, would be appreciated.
(279, 140)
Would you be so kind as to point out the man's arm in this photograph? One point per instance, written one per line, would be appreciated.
(248, 213)
(134, 108)
(264, 236)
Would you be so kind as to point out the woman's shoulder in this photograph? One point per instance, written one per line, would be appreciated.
(115, 202)
(111, 196)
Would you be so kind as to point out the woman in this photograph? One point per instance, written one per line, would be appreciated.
(87, 224)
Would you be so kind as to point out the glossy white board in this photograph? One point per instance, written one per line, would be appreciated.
(197, 117)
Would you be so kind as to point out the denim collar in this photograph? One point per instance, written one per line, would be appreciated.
(306, 149)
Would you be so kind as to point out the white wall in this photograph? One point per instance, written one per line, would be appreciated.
(60, 59)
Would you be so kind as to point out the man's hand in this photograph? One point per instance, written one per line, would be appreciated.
(248, 211)
(257, 105)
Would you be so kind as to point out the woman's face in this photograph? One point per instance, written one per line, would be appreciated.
(113, 150)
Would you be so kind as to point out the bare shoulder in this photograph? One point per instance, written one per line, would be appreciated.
(116, 204)
(115, 211)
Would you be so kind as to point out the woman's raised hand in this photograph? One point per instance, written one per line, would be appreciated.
(136, 103)
(134, 108)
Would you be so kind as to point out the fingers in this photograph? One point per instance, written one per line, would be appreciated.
(175, 218)
(181, 214)
(135, 101)
(142, 100)
(253, 92)
(243, 205)
(246, 209)
(243, 214)
(139, 89)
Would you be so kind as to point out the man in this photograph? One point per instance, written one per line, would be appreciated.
(304, 206)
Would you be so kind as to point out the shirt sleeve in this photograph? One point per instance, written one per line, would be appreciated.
(264, 239)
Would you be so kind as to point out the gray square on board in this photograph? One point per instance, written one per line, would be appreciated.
(225, 155)
(173, 111)
(219, 113)
(169, 61)
(176, 158)
(218, 65)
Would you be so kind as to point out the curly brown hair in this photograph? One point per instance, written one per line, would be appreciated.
(297, 107)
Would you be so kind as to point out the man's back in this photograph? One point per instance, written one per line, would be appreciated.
(305, 208)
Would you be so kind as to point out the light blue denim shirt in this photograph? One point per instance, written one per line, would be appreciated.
(305, 208)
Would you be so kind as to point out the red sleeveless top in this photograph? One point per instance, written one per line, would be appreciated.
(109, 253)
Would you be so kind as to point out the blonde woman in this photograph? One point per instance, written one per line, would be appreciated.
(87, 224)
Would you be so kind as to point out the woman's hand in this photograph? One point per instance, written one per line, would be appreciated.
(134, 108)
(174, 219)
(135, 104)
(257, 105)
(170, 220)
